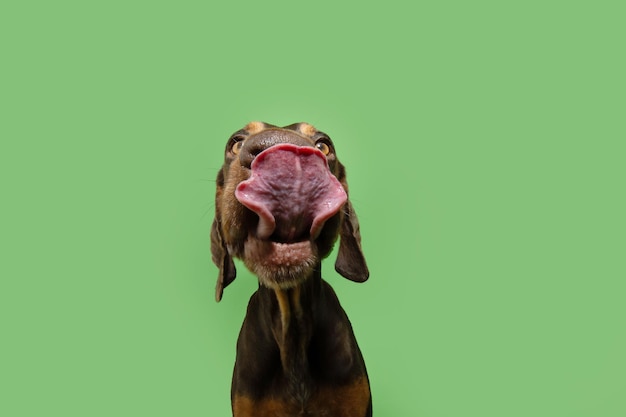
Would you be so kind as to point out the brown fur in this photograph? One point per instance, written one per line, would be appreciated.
(296, 353)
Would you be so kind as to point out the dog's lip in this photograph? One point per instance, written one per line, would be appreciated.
(284, 254)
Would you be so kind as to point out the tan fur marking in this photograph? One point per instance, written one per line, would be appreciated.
(285, 318)
(347, 401)
(295, 302)
(254, 127)
(246, 407)
(285, 309)
(307, 129)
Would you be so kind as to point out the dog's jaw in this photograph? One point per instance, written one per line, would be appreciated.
(280, 265)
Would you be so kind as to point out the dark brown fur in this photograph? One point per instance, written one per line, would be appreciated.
(296, 352)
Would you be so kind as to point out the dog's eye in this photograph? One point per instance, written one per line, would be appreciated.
(237, 147)
(323, 146)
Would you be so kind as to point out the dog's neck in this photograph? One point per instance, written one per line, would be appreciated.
(292, 317)
(293, 313)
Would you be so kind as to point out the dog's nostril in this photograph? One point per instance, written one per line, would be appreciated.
(248, 153)
(253, 147)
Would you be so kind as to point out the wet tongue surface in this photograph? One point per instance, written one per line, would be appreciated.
(292, 191)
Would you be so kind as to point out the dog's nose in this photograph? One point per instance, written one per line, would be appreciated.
(256, 144)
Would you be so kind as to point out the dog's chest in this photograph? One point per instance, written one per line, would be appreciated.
(349, 400)
(312, 370)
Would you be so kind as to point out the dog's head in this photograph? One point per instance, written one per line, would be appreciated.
(281, 201)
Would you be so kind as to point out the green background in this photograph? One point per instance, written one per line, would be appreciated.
(484, 143)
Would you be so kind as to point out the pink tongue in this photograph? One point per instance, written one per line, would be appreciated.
(292, 191)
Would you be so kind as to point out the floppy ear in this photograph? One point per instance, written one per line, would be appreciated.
(222, 259)
(350, 261)
(219, 252)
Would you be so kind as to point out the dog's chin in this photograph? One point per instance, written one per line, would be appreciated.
(280, 265)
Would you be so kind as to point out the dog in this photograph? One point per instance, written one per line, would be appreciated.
(281, 203)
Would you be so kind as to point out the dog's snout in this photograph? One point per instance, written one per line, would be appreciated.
(256, 144)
